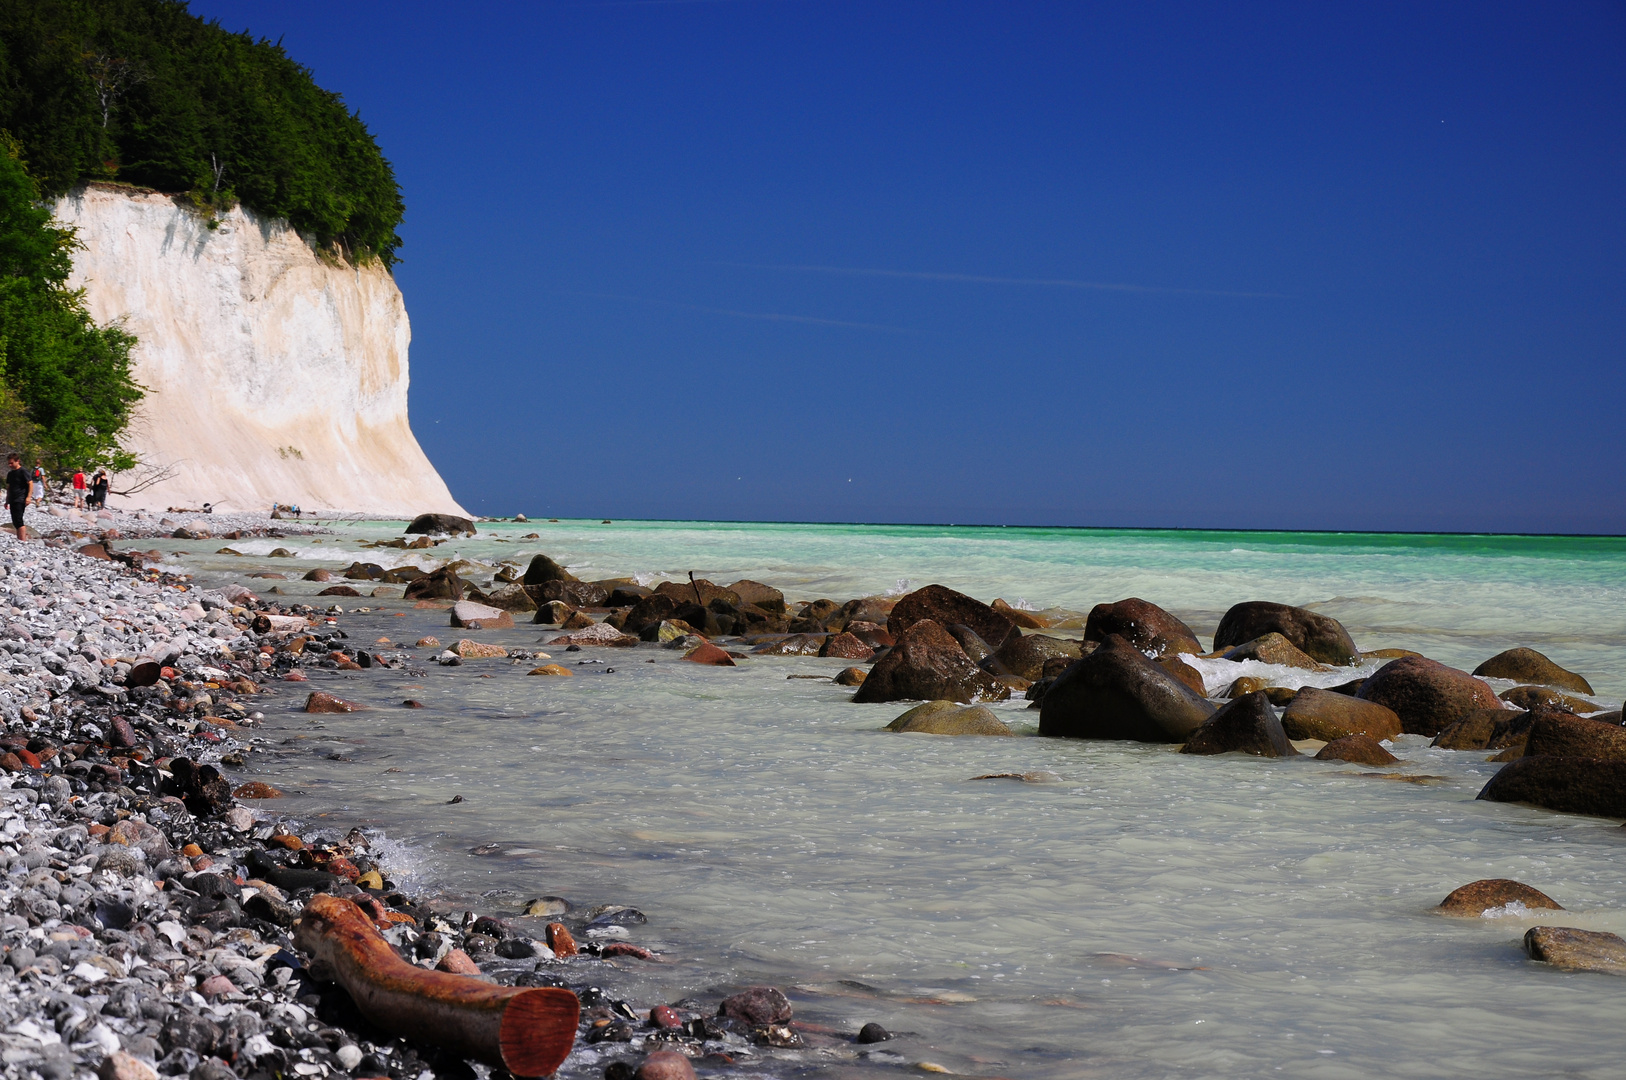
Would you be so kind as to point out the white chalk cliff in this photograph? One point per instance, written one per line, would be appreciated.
(272, 375)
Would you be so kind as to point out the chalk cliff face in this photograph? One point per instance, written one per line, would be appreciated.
(271, 375)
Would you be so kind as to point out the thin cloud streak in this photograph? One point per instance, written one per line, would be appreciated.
(763, 316)
(979, 279)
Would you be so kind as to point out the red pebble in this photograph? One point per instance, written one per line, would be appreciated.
(560, 941)
(621, 948)
(216, 986)
(295, 676)
(458, 963)
(665, 1017)
(28, 757)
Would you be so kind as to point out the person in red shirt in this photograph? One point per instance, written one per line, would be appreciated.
(79, 489)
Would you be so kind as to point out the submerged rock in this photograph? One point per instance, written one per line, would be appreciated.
(467, 613)
(321, 702)
(1577, 950)
(1568, 784)
(1144, 625)
(1272, 648)
(950, 718)
(1320, 637)
(709, 654)
(1528, 697)
(927, 664)
(1478, 897)
(1025, 655)
(1247, 725)
(947, 608)
(1529, 666)
(1117, 693)
(1566, 735)
(757, 1006)
(844, 646)
(1485, 729)
(1427, 696)
(1357, 749)
(440, 525)
(1322, 714)
(1186, 674)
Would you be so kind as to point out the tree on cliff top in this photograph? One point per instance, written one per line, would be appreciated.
(144, 92)
(65, 385)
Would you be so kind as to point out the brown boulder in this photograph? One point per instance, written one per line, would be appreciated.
(1528, 666)
(665, 1065)
(256, 789)
(950, 718)
(1186, 674)
(468, 613)
(757, 1006)
(512, 597)
(442, 584)
(1568, 784)
(1027, 620)
(1247, 725)
(318, 575)
(1478, 897)
(947, 608)
(1322, 714)
(477, 650)
(844, 646)
(544, 569)
(1427, 696)
(1272, 648)
(1322, 638)
(1528, 697)
(440, 524)
(552, 613)
(1577, 950)
(338, 590)
(794, 645)
(1566, 735)
(852, 676)
(763, 596)
(1484, 729)
(1144, 625)
(1025, 654)
(574, 593)
(1244, 685)
(699, 591)
(321, 702)
(651, 609)
(927, 664)
(1117, 693)
(1358, 749)
(709, 654)
(872, 634)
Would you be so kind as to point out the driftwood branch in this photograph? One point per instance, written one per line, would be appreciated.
(529, 1032)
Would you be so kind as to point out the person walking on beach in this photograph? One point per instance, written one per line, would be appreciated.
(17, 485)
(79, 489)
(98, 489)
(38, 486)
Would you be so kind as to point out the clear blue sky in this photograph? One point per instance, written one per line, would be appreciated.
(1352, 266)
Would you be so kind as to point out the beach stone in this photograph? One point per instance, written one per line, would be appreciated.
(320, 701)
(465, 612)
(699, 591)
(441, 584)
(1529, 666)
(1566, 735)
(844, 646)
(318, 575)
(650, 610)
(1577, 950)
(145, 673)
(477, 650)
(794, 645)
(763, 596)
(665, 1065)
(1567, 784)
(1024, 655)
(1358, 749)
(875, 635)
(1247, 725)
(440, 525)
(1529, 697)
(1116, 692)
(1427, 696)
(1477, 897)
(852, 676)
(933, 718)
(551, 669)
(597, 634)
(1272, 648)
(1484, 729)
(255, 789)
(1322, 714)
(709, 654)
(873, 1033)
(1027, 620)
(458, 962)
(927, 664)
(575, 593)
(1190, 676)
(1144, 625)
(428, 642)
(338, 590)
(1320, 637)
(560, 941)
(667, 630)
(512, 597)
(553, 612)
(120, 1065)
(946, 608)
(757, 1006)
(1244, 685)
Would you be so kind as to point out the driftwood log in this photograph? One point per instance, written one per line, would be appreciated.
(528, 1031)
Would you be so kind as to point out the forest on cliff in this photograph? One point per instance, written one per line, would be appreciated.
(143, 92)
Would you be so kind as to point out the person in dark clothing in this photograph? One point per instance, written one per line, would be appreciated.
(17, 492)
(98, 489)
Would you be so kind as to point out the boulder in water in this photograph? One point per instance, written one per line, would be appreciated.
(1144, 625)
(1427, 696)
(1577, 950)
(1025, 654)
(1117, 693)
(1357, 749)
(950, 718)
(844, 646)
(1568, 784)
(512, 597)
(947, 608)
(1485, 729)
(1187, 674)
(1247, 725)
(1322, 714)
(1489, 894)
(468, 613)
(442, 584)
(1529, 666)
(1272, 648)
(440, 525)
(927, 664)
(544, 569)
(1528, 697)
(1321, 637)
(763, 596)
(1566, 735)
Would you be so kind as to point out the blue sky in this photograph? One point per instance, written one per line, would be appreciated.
(1350, 266)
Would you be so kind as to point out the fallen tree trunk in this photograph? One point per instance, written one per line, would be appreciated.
(280, 624)
(529, 1032)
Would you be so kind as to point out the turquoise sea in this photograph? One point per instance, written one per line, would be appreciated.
(1146, 914)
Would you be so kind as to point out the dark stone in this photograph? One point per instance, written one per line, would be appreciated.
(794, 645)
(1117, 693)
(1528, 666)
(946, 608)
(875, 635)
(651, 610)
(271, 910)
(360, 571)
(1565, 735)
(1427, 696)
(338, 590)
(759, 595)
(145, 673)
(1528, 697)
(700, 591)
(844, 646)
(816, 618)
(544, 569)
(575, 593)
(1321, 714)
(440, 524)
(189, 1031)
(1190, 676)
(1478, 897)
(1319, 636)
(1577, 950)
(873, 1033)
(757, 1006)
(1358, 749)
(1568, 784)
(1484, 729)
(515, 948)
(318, 575)
(442, 584)
(927, 664)
(1247, 725)
(623, 596)
(1025, 654)
(200, 787)
(1144, 625)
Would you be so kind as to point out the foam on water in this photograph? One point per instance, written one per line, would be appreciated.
(1142, 914)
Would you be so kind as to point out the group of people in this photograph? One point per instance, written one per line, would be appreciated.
(24, 487)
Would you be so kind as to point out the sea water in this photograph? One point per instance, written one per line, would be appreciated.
(1137, 914)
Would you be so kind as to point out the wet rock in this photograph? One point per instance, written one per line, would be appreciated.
(1529, 666)
(709, 654)
(1528, 697)
(852, 676)
(844, 646)
(477, 650)
(1478, 897)
(201, 787)
(763, 596)
(1027, 620)
(512, 598)
(665, 1065)
(875, 635)
(458, 962)
(794, 645)
(597, 634)
(467, 613)
(1247, 725)
(551, 669)
(757, 1006)
(1568, 784)
(320, 701)
(1272, 648)
(1427, 696)
(945, 607)
(338, 590)
(255, 789)
(1190, 676)
(873, 1033)
(1565, 735)
(1358, 749)
(667, 630)
(575, 593)
(442, 584)
(1577, 950)
(1117, 693)
(1144, 625)
(440, 525)
(1322, 714)
(950, 718)
(1025, 654)
(1244, 685)
(1320, 637)
(928, 664)
(318, 575)
(1484, 729)
(560, 941)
